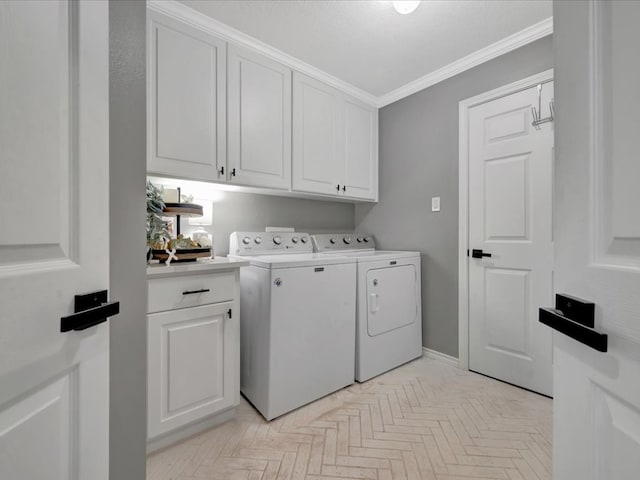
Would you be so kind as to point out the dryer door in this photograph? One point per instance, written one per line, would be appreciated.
(391, 298)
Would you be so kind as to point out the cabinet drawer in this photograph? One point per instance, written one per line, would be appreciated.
(171, 293)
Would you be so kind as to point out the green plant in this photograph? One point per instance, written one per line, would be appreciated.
(157, 227)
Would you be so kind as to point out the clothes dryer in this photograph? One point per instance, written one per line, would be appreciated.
(389, 310)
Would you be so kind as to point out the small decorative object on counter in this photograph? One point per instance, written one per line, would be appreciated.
(203, 238)
(163, 247)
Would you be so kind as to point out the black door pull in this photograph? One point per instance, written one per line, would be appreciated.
(574, 317)
(90, 309)
(478, 253)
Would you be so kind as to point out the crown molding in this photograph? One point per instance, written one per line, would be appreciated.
(203, 22)
(506, 45)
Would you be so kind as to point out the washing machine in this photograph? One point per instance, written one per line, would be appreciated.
(297, 321)
(389, 308)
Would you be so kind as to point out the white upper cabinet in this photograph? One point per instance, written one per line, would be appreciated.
(186, 100)
(317, 162)
(259, 96)
(335, 141)
(221, 112)
(360, 149)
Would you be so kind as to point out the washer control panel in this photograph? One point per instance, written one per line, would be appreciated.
(269, 243)
(328, 242)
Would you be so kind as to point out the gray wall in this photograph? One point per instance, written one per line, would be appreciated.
(127, 103)
(234, 211)
(419, 160)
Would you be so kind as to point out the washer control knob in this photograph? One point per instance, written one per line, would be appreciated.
(347, 240)
(366, 239)
(359, 239)
(277, 240)
(332, 240)
(304, 239)
(295, 239)
(258, 240)
(246, 240)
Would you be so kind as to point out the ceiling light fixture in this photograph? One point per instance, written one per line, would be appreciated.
(405, 7)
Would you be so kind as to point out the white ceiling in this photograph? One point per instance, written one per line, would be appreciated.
(368, 44)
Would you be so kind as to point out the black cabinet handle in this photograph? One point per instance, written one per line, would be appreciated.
(193, 292)
(233, 172)
(221, 170)
(344, 188)
(571, 319)
(478, 253)
(338, 187)
(90, 310)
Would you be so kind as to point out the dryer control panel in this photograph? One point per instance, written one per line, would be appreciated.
(269, 243)
(340, 242)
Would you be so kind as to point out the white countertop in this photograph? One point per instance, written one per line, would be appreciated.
(199, 266)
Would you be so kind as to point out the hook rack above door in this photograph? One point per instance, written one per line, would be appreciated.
(537, 121)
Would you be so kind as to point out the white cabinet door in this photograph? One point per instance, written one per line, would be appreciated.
(596, 412)
(186, 100)
(54, 150)
(317, 163)
(259, 120)
(193, 362)
(360, 149)
(335, 141)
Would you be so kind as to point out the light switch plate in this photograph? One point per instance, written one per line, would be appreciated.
(435, 204)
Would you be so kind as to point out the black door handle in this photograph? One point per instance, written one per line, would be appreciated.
(90, 309)
(478, 253)
(575, 318)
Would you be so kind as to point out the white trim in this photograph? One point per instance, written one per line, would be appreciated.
(463, 200)
(209, 25)
(198, 20)
(441, 357)
(506, 45)
(188, 431)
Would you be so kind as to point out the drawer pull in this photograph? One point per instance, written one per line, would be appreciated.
(193, 292)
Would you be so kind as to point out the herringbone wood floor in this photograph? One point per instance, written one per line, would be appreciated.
(424, 420)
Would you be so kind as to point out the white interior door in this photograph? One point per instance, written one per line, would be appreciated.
(597, 395)
(54, 390)
(510, 167)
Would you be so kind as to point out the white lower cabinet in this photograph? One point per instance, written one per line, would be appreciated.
(193, 351)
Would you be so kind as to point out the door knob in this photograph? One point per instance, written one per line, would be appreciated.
(478, 253)
(90, 309)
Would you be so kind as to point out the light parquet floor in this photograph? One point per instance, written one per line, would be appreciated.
(424, 420)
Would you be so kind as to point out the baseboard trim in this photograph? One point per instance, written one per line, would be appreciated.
(167, 440)
(443, 357)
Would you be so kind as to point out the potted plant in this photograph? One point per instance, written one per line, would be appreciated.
(157, 227)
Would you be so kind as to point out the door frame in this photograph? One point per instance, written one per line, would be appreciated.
(463, 199)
